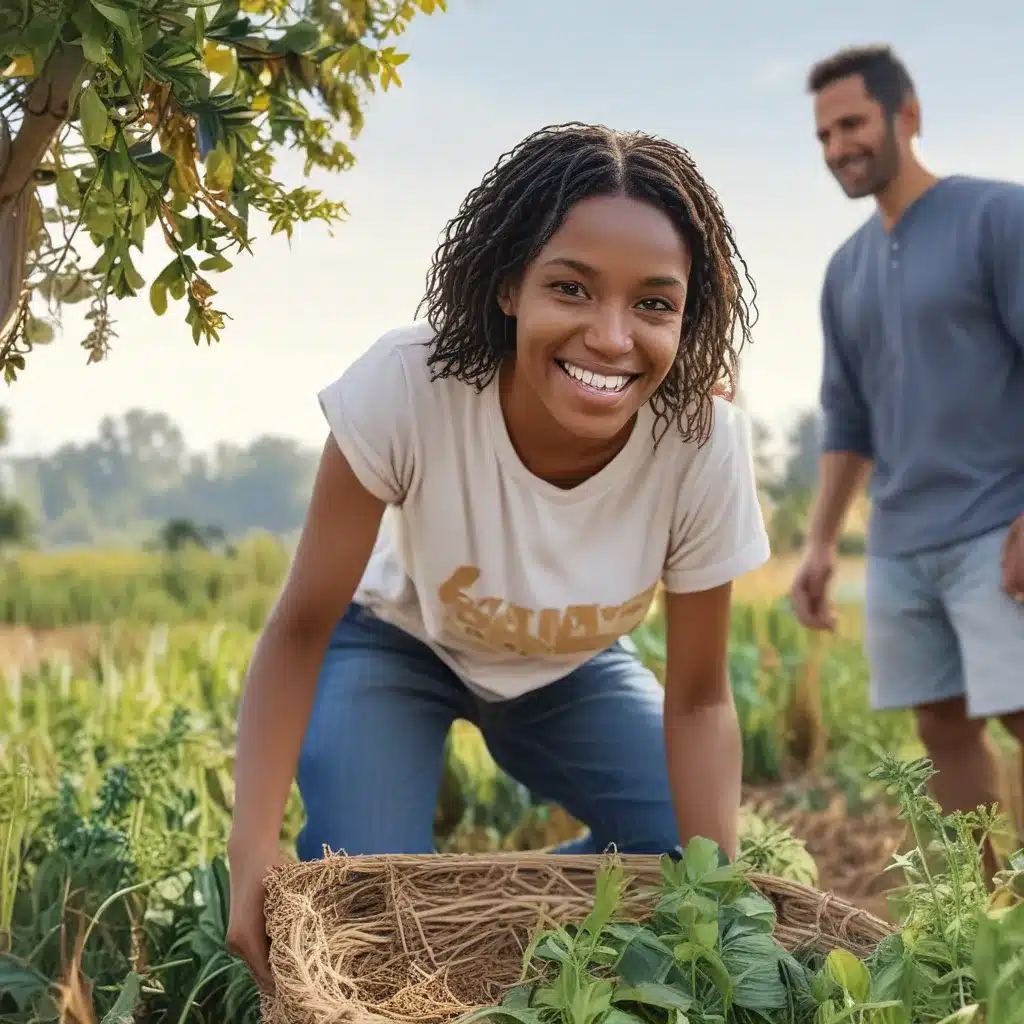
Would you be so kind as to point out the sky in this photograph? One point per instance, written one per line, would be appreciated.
(726, 81)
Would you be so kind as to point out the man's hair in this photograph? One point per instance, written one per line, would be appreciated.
(885, 76)
(505, 221)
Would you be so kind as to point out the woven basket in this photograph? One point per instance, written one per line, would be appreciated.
(364, 940)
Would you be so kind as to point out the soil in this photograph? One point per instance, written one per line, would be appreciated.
(23, 649)
(853, 851)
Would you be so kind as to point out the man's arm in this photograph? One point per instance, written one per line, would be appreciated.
(1003, 253)
(702, 734)
(846, 446)
(1002, 242)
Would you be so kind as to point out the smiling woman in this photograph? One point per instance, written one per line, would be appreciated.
(503, 488)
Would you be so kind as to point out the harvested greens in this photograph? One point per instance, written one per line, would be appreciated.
(707, 953)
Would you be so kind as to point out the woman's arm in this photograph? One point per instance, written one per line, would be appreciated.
(702, 735)
(337, 539)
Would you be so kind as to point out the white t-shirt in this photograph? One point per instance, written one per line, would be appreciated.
(512, 581)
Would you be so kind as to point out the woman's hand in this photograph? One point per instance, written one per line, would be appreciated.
(247, 926)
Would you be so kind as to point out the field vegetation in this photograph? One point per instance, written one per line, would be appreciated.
(116, 750)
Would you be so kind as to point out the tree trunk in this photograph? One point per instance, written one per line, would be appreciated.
(46, 109)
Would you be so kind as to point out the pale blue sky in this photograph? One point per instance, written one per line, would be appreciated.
(723, 80)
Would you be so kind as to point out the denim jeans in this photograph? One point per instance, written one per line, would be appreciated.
(372, 757)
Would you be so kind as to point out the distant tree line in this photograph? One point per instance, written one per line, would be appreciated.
(137, 476)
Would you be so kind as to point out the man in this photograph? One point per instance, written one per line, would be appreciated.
(922, 312)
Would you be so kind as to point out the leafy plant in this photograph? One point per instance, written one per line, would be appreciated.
(122, 116)
(770, 848)
(706, 954)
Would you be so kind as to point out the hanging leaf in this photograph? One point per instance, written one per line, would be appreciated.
(93, 116)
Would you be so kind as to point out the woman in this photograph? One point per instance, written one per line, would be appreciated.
(501, 491)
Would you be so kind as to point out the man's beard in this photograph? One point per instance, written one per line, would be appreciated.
(883, 167)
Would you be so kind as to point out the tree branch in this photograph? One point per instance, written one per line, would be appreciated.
(46, 109)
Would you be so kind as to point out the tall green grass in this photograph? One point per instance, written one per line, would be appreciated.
(53, 590)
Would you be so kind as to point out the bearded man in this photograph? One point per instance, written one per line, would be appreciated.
(922, 312)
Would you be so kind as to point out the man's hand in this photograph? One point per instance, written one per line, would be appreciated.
(809, 592)
(1013, 560)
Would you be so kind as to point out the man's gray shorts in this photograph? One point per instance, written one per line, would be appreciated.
(939, 625)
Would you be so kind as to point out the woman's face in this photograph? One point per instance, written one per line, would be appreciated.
(599, 314)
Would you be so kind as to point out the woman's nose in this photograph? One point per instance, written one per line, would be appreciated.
(610, 333)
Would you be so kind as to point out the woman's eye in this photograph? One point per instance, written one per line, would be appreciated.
(657, 305)
(570, 288)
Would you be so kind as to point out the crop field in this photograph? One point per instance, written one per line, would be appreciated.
(117, 725)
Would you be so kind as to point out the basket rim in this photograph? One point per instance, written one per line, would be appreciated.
(826, 900)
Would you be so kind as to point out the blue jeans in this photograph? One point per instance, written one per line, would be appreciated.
(372, 758)
(940, 626)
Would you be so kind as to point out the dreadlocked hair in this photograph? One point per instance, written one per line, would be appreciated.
(511, 215)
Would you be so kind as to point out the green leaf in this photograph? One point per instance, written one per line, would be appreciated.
(158, 297)
(611, 884)
(753, 963)
(850, 973)
(826, 1013)
(128, 999)
(299, 38)
(117, 16)
(617, 1016)
(95, 51)
(700, 858)
(705, 933)
(220, 168)
(67, 188)
(552, 946)
(94, 118)
(754, 912)
(645, 958)
(648, 993)
(518, 998)
(502, 1015)
(21, 982)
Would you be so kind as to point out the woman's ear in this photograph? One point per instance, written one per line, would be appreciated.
(507, 301)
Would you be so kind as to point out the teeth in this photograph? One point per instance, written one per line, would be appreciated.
(595, 380)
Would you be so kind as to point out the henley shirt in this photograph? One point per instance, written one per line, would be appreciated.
(924, 363)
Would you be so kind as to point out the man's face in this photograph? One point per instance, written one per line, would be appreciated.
(859, 141)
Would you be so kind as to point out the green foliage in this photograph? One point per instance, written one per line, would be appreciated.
(772, 668)
(175, 114)
(16, 526)
(706, 954)
(15, 523)
(769, 848)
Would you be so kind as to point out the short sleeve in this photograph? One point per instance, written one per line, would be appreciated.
(369, 412)
(718, 530)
